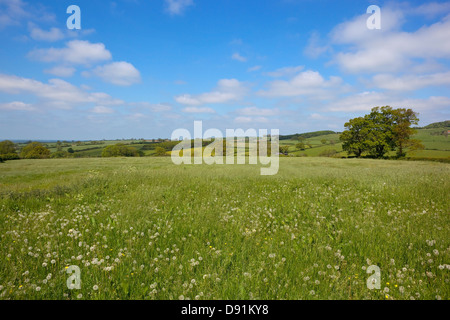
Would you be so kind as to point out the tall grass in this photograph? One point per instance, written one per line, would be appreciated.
(143, 228)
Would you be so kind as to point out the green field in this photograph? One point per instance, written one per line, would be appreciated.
(437, 146)
(143, 228)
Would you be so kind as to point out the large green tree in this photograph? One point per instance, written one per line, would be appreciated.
(380, 131)
(34, 150)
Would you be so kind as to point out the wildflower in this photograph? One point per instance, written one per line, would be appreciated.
(95, 288)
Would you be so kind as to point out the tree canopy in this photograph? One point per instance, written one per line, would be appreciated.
(382, 130)
(120, 150)
(34, 150)
(8, 151)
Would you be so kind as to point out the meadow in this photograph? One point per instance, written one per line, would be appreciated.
(143, 228)
(318, 144)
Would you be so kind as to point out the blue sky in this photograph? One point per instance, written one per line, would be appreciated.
(141, 69)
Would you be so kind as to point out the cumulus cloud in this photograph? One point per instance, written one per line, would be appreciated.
(119, 73)
(102, 110)
(389, 49)
(365, 101)
(177, 7)
(227, 90)
(54, 34)
(78, 52)
(411, 82)
(61, 71)
(305, 83)
(56, 93)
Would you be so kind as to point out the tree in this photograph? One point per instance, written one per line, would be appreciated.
(159, 151)
(355, 135)
(8, 151)
(34, 150)
(323, 141)
(284, 150)
(120, 150)
(380, 138)
(380, 131)
(300, 146)
(402, 130)
(70, 150)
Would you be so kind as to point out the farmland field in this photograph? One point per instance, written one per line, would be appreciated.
(143, 228)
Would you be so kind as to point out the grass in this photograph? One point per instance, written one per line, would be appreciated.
(143, 228)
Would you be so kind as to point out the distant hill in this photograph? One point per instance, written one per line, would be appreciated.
(443, 124)
(306, 135)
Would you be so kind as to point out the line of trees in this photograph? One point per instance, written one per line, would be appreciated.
(382, 130)
(121, 150)
(33, 150)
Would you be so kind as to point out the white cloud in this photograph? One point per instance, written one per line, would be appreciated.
(177, 7)
(61, 71)
(54, 34)
(432, 9)
(102, 110)
(57, 93)
(198, 110)
(286, 71)
(227, 90)
(16, 106)
(236, 56)
(306, 83)
(76, 52)
(365, 101)
(119, 73)
(411, 82)
(388, 49)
